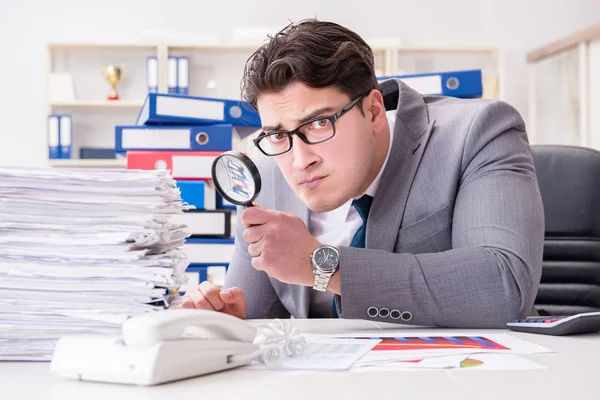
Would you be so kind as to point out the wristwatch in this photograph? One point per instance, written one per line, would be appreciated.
(325, 261)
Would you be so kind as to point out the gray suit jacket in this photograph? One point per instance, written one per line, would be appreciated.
(455, 233)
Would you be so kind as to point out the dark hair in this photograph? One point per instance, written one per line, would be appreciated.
(315, 53)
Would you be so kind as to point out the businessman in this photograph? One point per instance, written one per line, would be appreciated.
(379, 203)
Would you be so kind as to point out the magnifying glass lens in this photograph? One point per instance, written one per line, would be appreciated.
(236, 178)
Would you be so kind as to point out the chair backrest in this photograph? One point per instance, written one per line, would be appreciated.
(569, 180)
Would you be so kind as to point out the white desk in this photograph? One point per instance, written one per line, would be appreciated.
(573, 372)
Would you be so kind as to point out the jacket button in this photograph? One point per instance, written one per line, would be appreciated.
(384, 312)
(406, 316)
(395, 314)
(372, 312)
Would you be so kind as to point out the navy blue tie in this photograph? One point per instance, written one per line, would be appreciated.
(362, 206)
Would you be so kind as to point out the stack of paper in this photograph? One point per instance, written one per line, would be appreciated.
(83, 250)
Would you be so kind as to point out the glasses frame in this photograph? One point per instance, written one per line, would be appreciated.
(332, 118)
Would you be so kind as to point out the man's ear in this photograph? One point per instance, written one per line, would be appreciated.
(376, 108)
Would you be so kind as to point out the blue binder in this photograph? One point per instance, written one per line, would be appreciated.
(226, 241)
(208, 251)
(194, 193)
(53, 137)
(224, 204)
(163, 108)
(464, 84)
(202, 270)
(173, 138)
(65, 123)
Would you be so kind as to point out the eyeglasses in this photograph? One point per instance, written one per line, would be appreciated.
(315, 131)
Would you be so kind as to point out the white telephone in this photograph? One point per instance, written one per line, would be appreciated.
(164, 346)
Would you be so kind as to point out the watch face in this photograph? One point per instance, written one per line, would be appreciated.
(326, 259)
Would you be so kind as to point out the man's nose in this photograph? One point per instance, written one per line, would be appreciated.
(304, 157)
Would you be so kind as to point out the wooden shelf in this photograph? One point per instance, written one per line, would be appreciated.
(99, 103)
(444, 49)
(217, 48)
(101, 46)
(88, 163)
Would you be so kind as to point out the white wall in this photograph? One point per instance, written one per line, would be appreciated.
(25, 25)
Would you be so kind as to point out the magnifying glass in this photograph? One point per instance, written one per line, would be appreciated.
(236, 178)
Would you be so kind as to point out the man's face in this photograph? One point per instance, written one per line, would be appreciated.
(324, 175)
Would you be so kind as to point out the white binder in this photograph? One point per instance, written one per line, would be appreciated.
(152, 74)
(183, 74)
(172, 74)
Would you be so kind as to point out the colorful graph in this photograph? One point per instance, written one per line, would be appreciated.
(436, 343)
(466, 363)
(470, 362)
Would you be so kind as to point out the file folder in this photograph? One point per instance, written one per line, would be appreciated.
(96, 153)
(208, 251)
(172, 74)
(198, 273)
(174, 138)
(163, 108)
(462, 84)
(183, 75)
(224, 204)
(183, 165)
(65, 135)
(206, 223)
(200, 194)
(53, 137)
(152, 74)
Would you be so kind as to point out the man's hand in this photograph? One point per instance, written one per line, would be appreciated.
(207, 296)
(279, 244)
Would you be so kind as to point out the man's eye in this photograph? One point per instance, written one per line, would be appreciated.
(276, 137)
(320, 124)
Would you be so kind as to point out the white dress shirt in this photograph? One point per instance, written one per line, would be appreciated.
(337, 227)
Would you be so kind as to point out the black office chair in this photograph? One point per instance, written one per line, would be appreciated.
(569, 179)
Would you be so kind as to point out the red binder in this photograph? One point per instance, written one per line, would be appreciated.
(183, 165)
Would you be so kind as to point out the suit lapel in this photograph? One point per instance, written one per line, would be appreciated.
(411, 135)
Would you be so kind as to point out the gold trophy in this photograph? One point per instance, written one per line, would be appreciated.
(113, 76)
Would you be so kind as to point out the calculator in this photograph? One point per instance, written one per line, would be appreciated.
(558, 325)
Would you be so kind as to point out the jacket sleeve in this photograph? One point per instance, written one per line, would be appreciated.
(492, 272)
(262, 300)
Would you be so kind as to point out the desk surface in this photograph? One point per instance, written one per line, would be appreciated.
(570, 373)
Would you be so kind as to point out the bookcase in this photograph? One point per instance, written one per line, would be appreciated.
(76, 85)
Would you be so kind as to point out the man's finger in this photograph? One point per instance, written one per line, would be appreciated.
(187, 303)
(254, 233)
(232, 295)
(198, 300)
(255, 216)
(211, 294)
(254, 250)
(235, 299)
(257, 263)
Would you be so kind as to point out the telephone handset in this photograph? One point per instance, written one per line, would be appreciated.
(164, 346)
(148, 329)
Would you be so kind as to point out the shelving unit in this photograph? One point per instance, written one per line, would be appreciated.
(564, 90)
(411, 59)
(88, 163)
(94, 117)
(98, 103)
